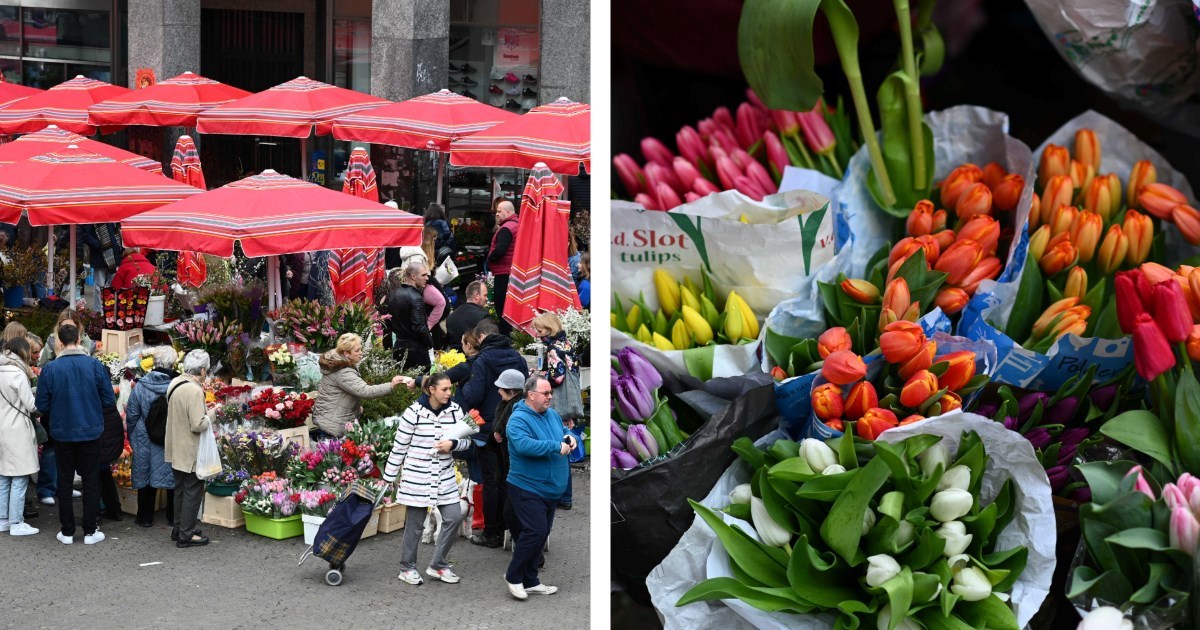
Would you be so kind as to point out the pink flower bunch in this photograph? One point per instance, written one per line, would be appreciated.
(1183, 498)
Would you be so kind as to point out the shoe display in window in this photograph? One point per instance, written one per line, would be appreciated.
(496, 75)
(527, 105)
(454, 68)
(495, 89)
(455, 81)
(513, 91)
(511, 104)
(469, 94)
(469, 81)
(467, 68)
(511, 78)
(528, 93)
(529, 78)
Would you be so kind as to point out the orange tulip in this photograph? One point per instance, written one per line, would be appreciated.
(916, 417)
(827, 401)
(778, 374)
(903, 248)
(1058, 257)
(1077, 283)
(987, 269)
(1007, 193)
(960, 372)
(933, 248)
(1156, 273)
(951, 300)
(1073, 323)
(1061, 307)
(1081, 175)
(896, 296)
(861, 398)
(836, 425)
(1160, 199)
(944, 239)
(993, 174)
(920, 220)
(959, 259)
(950, 401)
(1187, 219)
(918, 389)
(887, 316)
(939, 221)
(1193, 343)
(982, 229)
(975, 200)
(1085, 234)
(1038, 242)
(1193, 300)
(1099, 199)
(1062, 219)
(1087, 147)
(957, 182)
(1143, 173)
(875, 421)
(1193, 282)
(833, 340)
(922, 360)
(1058, 193)
(860, 291)
(1139, 229)
(1056, 160)
(1035, 212)
(1112, 250)
(901, 340)
(843, 367)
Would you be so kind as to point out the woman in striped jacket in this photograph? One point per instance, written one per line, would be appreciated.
(421, 459)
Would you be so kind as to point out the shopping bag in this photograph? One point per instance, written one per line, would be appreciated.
(446, 272)
(568, 398)
(208, 456)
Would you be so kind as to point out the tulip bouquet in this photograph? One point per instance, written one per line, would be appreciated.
(643, 427)
(887, 535)
(688, 316)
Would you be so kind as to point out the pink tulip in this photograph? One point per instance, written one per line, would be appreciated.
(747, 186)
(1174, 496)
(1188, 484)
(817, 134)
(727, 172)
(1141, 485)
(785, 122)
(747, 131)
(1184, 530)
(686, 173)
(725, 139)
(703, 187)
(690, 197)
(761, 176)
(647, 202)
(691, 146)
(706, 126)
(724, 118)
(777, 156)
(658, 174)
(667, 197)
(741, 158)
(631, 175)
(753, 98)
(656, 151)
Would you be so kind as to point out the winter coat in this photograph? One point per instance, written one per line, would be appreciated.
(560, 359)
(461, 320)
(406, 305)
(48, 355)
(535, 458)
(340, 392)
(504, 243)
(187, 418)
(480, 392)
(18, 442)
(132, 266)
(445, 238)
(426, 478)
(74, 389)
(149, 469)
(112, 440)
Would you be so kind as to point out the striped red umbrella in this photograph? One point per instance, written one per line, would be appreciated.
(12, 92)
(171, 103)
(190, 268)
(558, 134)
(540, 279)
(290, 110)
(355, 272)
(65, 105)
(428, 122)
(53, 139)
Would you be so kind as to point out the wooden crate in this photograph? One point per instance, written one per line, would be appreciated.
(299, 435)
(373, 524)
(392, 518)
(129, 500)
(222, 511)
(120, 341)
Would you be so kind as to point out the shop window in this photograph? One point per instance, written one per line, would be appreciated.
(67, 34)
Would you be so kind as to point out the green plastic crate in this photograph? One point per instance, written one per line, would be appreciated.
(276, 528)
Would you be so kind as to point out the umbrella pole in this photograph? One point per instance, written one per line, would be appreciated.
(50, 261)
(441, 171)
(73, 287)
(304, 159)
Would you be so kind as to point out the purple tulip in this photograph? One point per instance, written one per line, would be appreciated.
(988, 410)
(1104, 397)
(641, 442)
(1074, 436)
(1039, 438)
(623, 460)
(1028, 403)
(1011, 423)
(1062, 411)
(612, 374)
(1059, 475)
(633, 399)
(635, 365)
(1082, 494)
(618, 434)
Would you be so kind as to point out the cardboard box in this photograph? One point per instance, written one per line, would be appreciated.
(129, 501)
(373, 524)
(222, 511)
(120, 341)
(392, 518)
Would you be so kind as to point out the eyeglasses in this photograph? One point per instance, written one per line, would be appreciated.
(544, 393)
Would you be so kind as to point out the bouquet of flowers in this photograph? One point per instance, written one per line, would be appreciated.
(115, 365)
(281, 360)
(449, 359)
(231, 477)
(373, 436)
(317, 502)
(255, 451)
(212, 337)
(318, 326)
(469, 234)
(121, 469)
(280, 409)
(577, 325)
(268, 496)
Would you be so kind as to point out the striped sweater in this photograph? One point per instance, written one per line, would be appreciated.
(426, 478)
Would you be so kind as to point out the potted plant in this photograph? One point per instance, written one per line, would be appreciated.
(17, 269)
(283, 365)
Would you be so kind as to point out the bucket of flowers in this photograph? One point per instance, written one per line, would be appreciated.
(279, 409)
(270, 505)
(315, 505)
(283, 365)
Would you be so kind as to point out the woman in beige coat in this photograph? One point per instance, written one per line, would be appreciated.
(18, 442)
(187, 418)
(342, 389)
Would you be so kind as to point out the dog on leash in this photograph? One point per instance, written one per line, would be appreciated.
(433, 518)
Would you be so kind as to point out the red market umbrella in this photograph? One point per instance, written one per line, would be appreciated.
(558, 134)
(355, 272)
(171, 103)
(65, 105)
(190, 269)
(428, 122)
(540, 279)
(54, 139)
(289, 110)
(12, 92)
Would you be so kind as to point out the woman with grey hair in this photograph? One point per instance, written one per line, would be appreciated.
(187, 418)
(150, 471)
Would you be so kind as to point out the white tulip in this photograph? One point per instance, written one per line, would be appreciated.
(771, 533)
(957, 477)
(931, 457)
(950, 505)
(904, 533)
(740, 494)
(971, 585)
(881, 568)
(838, 469)
(868, 521)
(885, 616)
(956, 537)
(818, 454)
(1105, 618)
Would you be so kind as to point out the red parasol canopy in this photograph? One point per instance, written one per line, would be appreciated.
(75, 186)
(272, 214)
(288, 110)
(171, 103)
(12, 92)
(540, 279)
(191, 269)
(426, 122)
(558, 134)
(65, 105)
(355, 272)
(54, 139)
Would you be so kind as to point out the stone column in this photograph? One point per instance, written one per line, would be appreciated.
(410, 56)
(566, 51)
(165, 35)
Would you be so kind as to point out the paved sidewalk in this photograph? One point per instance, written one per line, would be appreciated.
(241, 580)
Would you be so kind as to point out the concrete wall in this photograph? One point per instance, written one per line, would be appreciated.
(566, 51)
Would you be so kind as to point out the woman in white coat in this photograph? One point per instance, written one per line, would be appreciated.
(18, 442)
(421, 458)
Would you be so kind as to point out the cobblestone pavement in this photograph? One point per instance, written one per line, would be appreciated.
(241, 580)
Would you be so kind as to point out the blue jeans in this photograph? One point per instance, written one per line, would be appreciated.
(47, 484)
(536, 516)
(12, 498)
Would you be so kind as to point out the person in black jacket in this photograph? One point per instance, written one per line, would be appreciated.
(406, 306)
(467, 315)
(435, 217)
(112, 442)
(104, 247)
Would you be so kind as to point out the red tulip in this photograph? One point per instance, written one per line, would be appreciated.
(901, 341)
(1171, 311)
(982, 229)
(959, 259)
(843, 367)
(922, 360)
(747, 186)
(939, 223)
(896, 296)
(1129, 300)
(667, 197)
(827, 401)
(690, 197)
(760, 175)
(817, 134)
(741, 158)
(727, 172)
(1151, 353)
(861, 398)
(786, 122)
(691, 147)
(975, 200)
(960, 372)
(686, 172)
(933, 247)
(916, 417)
(993, 174)
(703, 187)
(658, 174)
(874, 422)
(647, 202)
(748, 131)
(987, 269)
(724, 118)
(957, 182)
(833, 340)
(836, 425)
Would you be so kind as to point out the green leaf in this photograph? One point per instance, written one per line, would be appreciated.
(1151, 591)
(900, 594)
(827, 488)
(1029, 296)
(1142, 431)
(926, 552)
(779, 347)
(1006, 509)
(933, 619)
(773, 500)
(897, 155)
(1005, 567)
(775, 47)
(768, 599)
(847, 456)
(750, 555)
(749, 453)
(1187, 419)
(830, 293)
(794, 469)
(933, 51)
(989, 613)
(816, 578)
(842, 529)
(1109, 586)
(1104, 478)
(1141, 538)
(784, 449)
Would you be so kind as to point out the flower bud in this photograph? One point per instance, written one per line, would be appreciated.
(903, 248)
(956, 537)
(777, 156)
(1105, 618)
(920, 220)
(1061, 307)
(944, 239)
(901, 341)
(971, 585)
(817, 454)
(681, 338)
(958, 477)
(668, 292)
(939, 221)
(960, 372)
(1035, 212)
(1081, 175)
(868, 521)
(1193, 343)
(771, 533)
(843, 367)
(932, 457)
(1007, 194)
(1087, 147)
(883, 620)
(957, 183)
(861, 399)
(740, 495)
(642, 443)
(632, 178)
(1112, 250)
(835, 469)
(904, 533)
(691, 147)
(1098, 198)
(887, 316)
(1139, 229)
(951, 300)
(950, 504)
(874, 422)
(700, 329)
(1143, 173)
(1160, 199)
(833, 340)
(896, 297)
(1038, 242)
(1085, 234)
(880, 569)
(1055, 160)
(1184, 530)
(1058, 257)
(982, 229)
(861, 291)
(1077, 283)
(1171, 311)
(1057, 193)
(975, 200)
(1187, 219)
(987, 269)
(1062, 219)
(918, 389)
(949, 401)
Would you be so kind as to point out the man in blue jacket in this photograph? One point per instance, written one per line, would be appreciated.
(73, 389)
(496, 354)
(537, 478)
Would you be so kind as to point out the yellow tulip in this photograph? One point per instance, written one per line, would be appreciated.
(660, 323)
(612, 320)
(668, 292)
(733, 324)
(661, 342)
(749, 321)
(633, 318)
(680, 337)
(687, 297)
(643, 334)
(709, 311)
(698, 326)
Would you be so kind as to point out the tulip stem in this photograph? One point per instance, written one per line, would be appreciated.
(912, 94)
(925, 14)
(796, 148)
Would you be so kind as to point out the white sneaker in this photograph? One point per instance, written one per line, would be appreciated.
(4, 525)
(411, 577)
(65, 539)
(542, 589)
(517, 590)
(46, 500)
(75, 494)
(445, 575)
(93, 538)
(22, 529)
